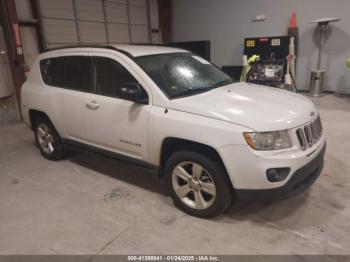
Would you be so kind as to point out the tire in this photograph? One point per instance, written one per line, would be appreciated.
(191, 178)
(47, 139)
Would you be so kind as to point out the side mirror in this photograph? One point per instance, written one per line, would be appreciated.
(133, 91)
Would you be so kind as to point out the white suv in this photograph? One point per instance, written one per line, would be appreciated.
(211, 138)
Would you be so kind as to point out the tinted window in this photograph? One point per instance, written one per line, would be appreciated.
(110, 77)
(71, 72)
(50, 70)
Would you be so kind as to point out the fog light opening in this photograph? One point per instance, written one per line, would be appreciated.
(277, 174)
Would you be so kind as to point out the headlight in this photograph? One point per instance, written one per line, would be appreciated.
(268, 140)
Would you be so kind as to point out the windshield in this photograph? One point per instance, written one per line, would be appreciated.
(182, 74)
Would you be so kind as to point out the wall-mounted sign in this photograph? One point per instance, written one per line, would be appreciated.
(276, 42)
(250, 43)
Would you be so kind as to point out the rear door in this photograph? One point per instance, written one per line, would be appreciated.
(70, 78)
(112, 122)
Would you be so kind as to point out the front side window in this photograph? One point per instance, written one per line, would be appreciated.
(110, 77)
(71, 72)
(182, 74)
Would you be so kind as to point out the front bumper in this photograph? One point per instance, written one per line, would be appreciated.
(301, 180)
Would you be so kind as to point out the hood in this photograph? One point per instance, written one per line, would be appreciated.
(258, 107)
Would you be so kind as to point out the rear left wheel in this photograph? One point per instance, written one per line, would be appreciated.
(48, 140)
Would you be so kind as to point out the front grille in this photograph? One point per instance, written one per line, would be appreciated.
(309, 134)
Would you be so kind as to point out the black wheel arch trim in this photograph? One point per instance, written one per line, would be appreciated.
(171, 144)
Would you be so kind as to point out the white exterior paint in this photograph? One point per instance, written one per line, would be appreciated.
(216, 118)
(248, 105)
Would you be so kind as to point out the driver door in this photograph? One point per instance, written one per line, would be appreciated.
(113, 122)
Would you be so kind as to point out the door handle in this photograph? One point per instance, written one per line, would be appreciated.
(92, 105)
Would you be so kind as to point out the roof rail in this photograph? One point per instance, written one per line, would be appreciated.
(150, 44)
(92, 46)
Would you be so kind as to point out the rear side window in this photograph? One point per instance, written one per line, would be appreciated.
(72, 72)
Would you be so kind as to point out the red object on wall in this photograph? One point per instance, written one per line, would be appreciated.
(264, 39)
(293, 21)
(18, 40)
(17, 35)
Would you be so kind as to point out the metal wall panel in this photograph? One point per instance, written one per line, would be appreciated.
(24, 10)
(91, 10)
(30, 44)
(138, 15)
(116, 12)
(118, 33)
(67, 22)
(57, 8)
(60, 31)
(139, 34)
(92, 32)
(138, 2)
(154, 14)
(50, 46)
(118, 1)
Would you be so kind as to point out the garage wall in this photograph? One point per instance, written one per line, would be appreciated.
(226, 23)
(67, 22)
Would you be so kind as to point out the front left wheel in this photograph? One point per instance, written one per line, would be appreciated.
(47, 139)
(197, 184)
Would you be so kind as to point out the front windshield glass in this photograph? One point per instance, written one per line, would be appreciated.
(182, 74)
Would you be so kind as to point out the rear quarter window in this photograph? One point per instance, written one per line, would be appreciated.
(50, 70)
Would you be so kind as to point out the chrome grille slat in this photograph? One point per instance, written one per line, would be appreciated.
(320, 124)
(309, 134)
(301, 137)
(317, 130)
(313, 132)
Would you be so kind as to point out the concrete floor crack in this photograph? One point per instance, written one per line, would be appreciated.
(108, 244)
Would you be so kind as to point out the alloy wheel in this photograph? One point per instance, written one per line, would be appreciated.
(45, 138)
(193, 185)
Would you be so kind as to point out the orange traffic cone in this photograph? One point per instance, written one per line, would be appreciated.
(293, 31)
(293, 21)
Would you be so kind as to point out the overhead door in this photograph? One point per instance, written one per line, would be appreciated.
(67, 22)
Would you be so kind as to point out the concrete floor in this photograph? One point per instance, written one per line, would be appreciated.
(8, 110)
(88, 204)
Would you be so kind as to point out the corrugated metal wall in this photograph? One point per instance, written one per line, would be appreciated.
(66, 22)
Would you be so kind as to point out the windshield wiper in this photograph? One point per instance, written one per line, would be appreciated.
(192, 91)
